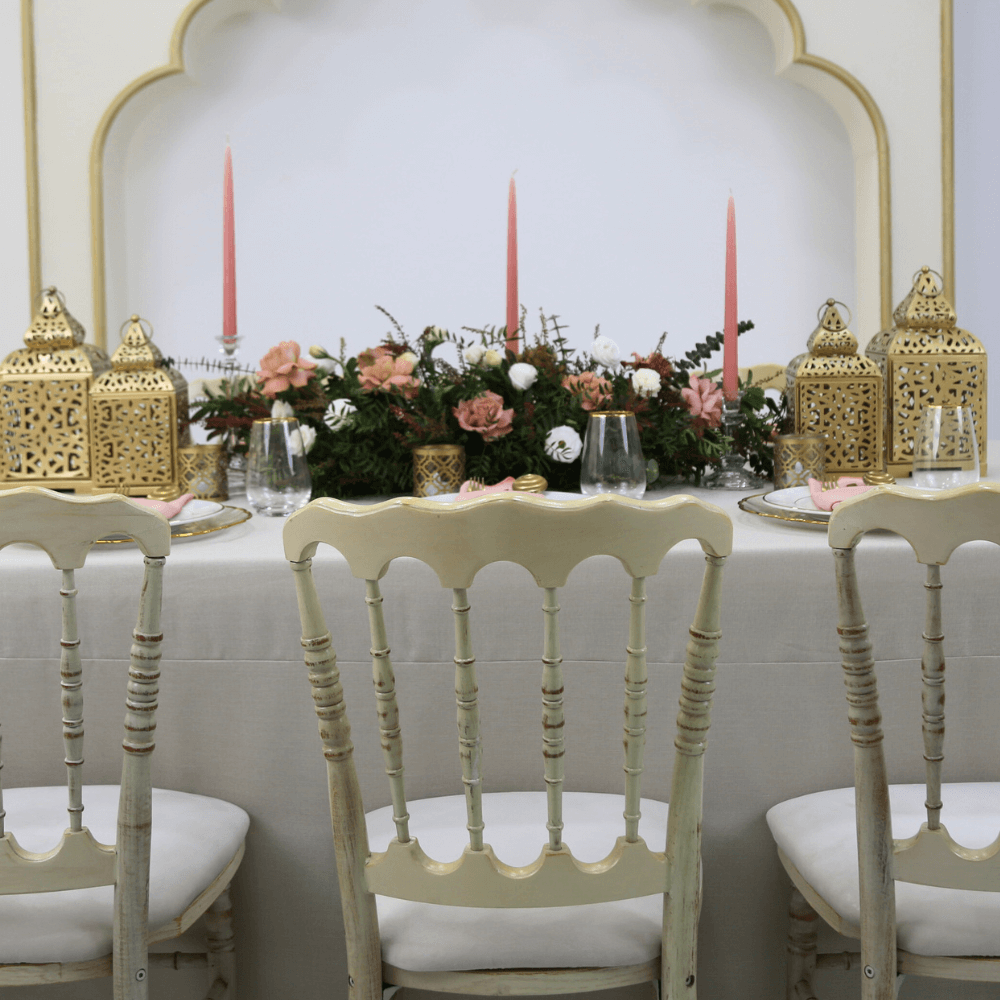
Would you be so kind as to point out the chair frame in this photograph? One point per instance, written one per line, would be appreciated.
(934, 524)
(66, 527)
(548, 538)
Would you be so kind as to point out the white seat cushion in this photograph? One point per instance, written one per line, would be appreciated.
(817, 833)
(423, 937)
(194, 837)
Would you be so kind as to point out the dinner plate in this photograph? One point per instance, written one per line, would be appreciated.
(795, 498)
(790, 515)
(225, 517)
(196, 510)
(548, 494)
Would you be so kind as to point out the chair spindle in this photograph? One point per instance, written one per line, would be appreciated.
(932, 668)
(388, 709)
(71, 681)
(3, 812)
(553, 723)
(467, 699)
(635, 707)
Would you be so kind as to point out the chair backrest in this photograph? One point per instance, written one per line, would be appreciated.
(66, 527)
(548, 538)
(934, 524)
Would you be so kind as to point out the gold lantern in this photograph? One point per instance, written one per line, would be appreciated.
(834, 391)
(44, 414)
(137, 411)
(927, 361)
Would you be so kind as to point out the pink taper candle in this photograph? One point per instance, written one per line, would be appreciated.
(228, 256)
(513, 308)
(730, 362)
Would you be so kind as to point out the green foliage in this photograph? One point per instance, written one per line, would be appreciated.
(369, 452)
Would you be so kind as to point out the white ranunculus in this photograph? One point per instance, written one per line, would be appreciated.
(475, 354)
(563, 444)
(523, 375)
(646, 382)
(339, 414)
(408, 356)
(605, 352)
(492, 358)
(281, 409)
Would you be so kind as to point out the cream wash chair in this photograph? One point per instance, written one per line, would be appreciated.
(923, 905)
(497, 862)
(83, 898)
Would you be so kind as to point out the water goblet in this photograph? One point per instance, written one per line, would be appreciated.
(945, 452)
(612, 456)
(278, 479)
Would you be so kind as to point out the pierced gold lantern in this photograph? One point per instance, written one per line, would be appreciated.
(44, 416)
(927, 361)
(137, 411)
(834, 391)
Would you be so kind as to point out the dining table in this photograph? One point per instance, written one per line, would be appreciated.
(236, 718)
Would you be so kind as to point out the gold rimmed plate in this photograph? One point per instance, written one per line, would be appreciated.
(227, 517)
(756, 504)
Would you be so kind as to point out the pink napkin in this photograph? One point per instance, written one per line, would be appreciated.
(504, 486)
(847, 487)
(168, 510)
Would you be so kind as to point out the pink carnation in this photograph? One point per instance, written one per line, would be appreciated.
(388, 374)
(591, 389)
(704, 402)
(484, 414)
(282, 368)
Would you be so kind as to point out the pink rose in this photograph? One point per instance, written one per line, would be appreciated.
(591, 389)
(485, 414)
(388, 374)
(704, 402)
(282, 367)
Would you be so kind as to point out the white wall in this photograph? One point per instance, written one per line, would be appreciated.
(372, 146)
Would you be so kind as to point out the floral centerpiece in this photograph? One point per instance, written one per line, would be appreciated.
(514, 414)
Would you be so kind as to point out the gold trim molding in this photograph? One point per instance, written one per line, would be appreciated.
(800, 56)
(31, 152)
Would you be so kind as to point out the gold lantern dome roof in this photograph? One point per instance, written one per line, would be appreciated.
(54, 343)
(924, 323)
(137, 364)
(831, 350)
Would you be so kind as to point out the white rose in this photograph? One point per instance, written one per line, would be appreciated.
(523, 375)
(492, 358)
(339, 414)
(605, 352)
(408, 356)
(280, 410)
(645, 381)
(475, 354)
(563, 444)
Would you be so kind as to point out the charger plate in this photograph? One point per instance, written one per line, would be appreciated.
(756, 504)
(227, 517)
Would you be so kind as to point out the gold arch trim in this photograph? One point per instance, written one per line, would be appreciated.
(800, 56)
(171, 68)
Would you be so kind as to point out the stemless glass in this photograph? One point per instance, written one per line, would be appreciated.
(945, 453)
(278, 480)
(612, 456)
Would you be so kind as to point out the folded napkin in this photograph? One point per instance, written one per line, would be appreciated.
(504, 486)
(847, 487)
(168, 510)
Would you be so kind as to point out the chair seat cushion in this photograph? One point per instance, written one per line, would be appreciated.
(194, 837)
(817, 834)
(423, 937)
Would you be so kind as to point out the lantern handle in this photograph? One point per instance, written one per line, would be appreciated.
(49, 290)
(135, 318)
(834, 302)
(928, 270)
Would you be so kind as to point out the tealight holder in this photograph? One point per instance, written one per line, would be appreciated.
(202, 470)
(798, 458)
(730, 473)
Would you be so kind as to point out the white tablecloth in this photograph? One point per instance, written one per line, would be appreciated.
(236, 718)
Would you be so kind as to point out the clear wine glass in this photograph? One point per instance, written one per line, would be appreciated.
(945, 452)
(612, 456)
(278, 479)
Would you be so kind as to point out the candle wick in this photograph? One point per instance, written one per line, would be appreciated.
(513, 172)
(227, 143)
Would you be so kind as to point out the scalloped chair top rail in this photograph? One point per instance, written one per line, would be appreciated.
(971, 513)
(67, 526)
(506, 527)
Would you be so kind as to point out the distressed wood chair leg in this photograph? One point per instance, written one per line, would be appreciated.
(801, 948)
(221, 951)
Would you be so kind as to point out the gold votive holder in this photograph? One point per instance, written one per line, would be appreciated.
(201, 470)
(798, 458)
(438, 468)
